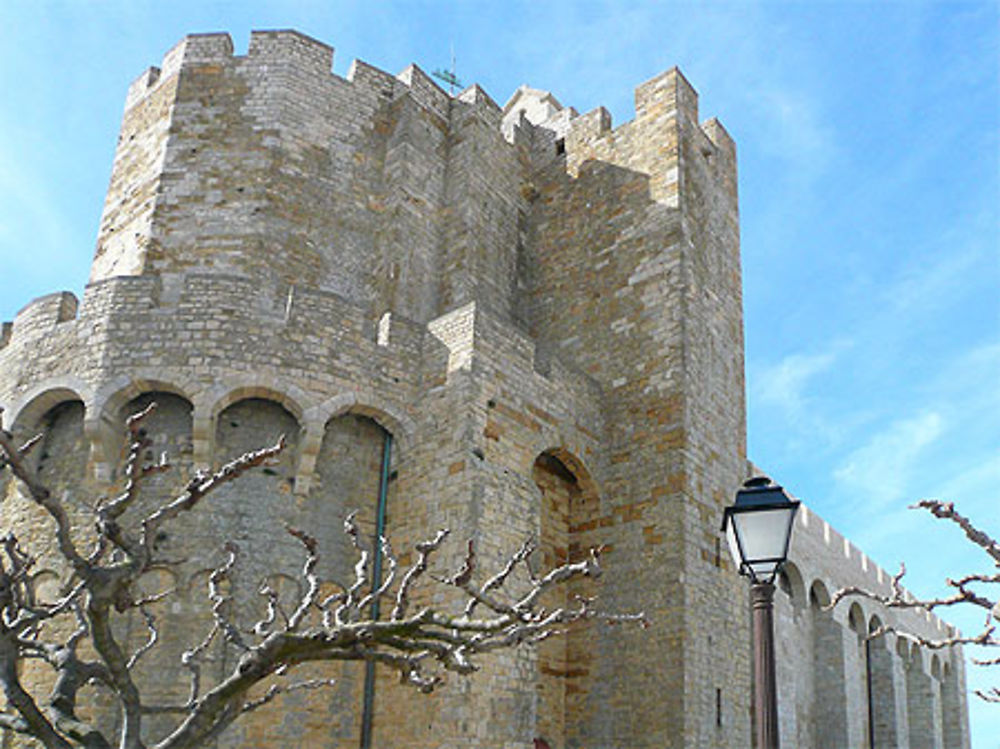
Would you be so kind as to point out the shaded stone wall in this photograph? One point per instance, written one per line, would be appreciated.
(633, 276)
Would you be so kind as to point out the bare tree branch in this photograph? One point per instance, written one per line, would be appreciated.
(946, 511)
(275, 690)
(983, 596)
(492, 611)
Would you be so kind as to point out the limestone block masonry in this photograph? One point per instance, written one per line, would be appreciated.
(545, 313)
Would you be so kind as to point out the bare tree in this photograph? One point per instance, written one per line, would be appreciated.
(420, 643)
(970, 590)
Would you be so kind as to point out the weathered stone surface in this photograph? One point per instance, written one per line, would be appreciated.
(545, 313)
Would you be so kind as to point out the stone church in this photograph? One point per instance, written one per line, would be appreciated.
(524, 322)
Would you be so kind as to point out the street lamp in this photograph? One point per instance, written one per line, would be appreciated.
(758, 527)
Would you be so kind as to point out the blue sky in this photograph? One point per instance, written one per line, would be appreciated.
(870, 205)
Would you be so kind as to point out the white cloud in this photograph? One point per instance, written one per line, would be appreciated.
(971, 378)
(783, 384)
(786, 384)
(926, 287)
(883, 469)
(975, 488)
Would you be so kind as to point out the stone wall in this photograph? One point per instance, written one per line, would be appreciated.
(537, 314)
(836, 688)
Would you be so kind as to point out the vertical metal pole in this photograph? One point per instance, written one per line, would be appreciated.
(367, 709)
(765, 699)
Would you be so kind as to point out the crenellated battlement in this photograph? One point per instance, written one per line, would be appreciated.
(821, 553)
(42, 314)
(287, 48)
(664, 98)
(668, 93)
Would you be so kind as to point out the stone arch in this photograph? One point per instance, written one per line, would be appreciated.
(829, 707)
(936, 666)
(112, 397)
(61, 457)
(316, 420)
(26, 415)
(856, 620)
(389, 416)
(27, 411)
(566, 531)
(106, 416)
(254, 419)
(292, 398)
(342, 461)
(168, 430)
(819, 594)
(874, 623)
(791, 583)
(570, 503)
(585, 508)
(209, 405)
(881, 688)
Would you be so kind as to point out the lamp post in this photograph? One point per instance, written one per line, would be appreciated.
(758, 527)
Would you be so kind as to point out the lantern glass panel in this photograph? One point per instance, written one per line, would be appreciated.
(734, 547)
(763, 536)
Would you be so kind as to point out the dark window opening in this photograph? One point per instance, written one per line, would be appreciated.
(560, 146)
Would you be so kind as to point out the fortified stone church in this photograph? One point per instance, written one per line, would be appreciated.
(528, 321)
